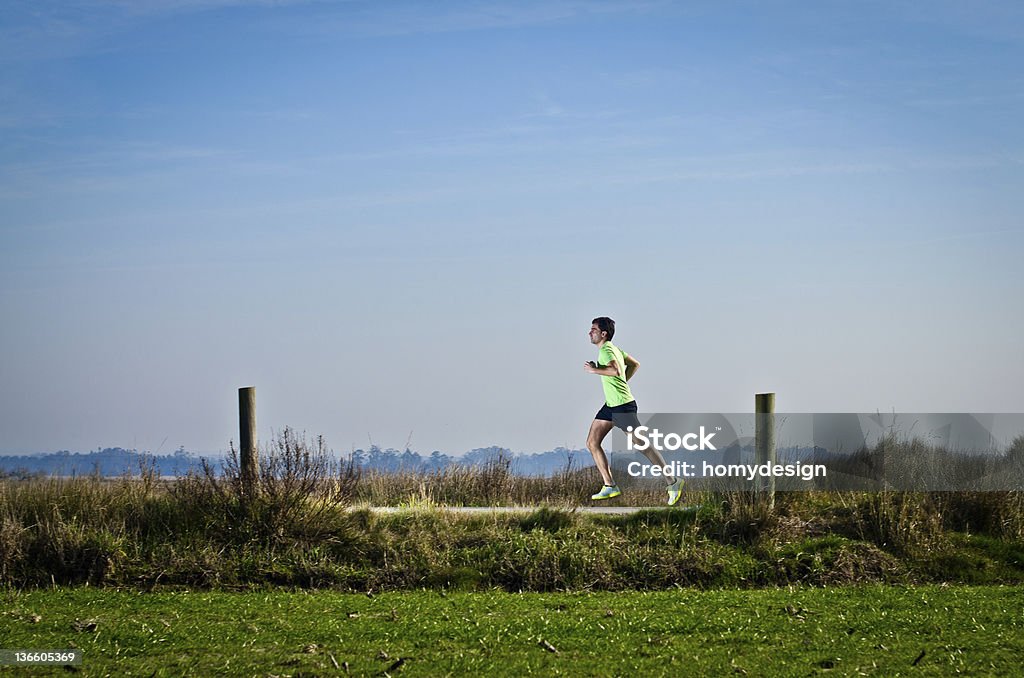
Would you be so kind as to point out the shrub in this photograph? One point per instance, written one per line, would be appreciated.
(298, 492)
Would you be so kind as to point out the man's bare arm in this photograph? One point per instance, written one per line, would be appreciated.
(609, 370)
(632, 365)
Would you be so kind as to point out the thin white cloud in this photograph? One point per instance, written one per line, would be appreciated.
(1014, 96)
(409, 18)
(997, 20)
(976, 235)
(769, 171)
(175, 6)
(768, 166)
(55, 29)
(124, 155)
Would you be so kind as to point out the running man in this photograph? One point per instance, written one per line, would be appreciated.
(616, 367)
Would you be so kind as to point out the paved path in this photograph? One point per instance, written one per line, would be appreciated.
(605, 510)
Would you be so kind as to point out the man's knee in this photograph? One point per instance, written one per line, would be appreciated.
(596, 436)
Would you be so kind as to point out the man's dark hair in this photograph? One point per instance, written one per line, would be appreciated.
(605, 325)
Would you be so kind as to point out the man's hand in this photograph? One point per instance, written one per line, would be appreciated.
(589, 366)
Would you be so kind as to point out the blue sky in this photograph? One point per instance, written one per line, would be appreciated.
(398, 218)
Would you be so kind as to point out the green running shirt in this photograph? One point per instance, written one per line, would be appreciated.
(616, 390)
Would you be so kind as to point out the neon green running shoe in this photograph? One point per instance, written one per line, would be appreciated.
(675, 490)
(607, 492)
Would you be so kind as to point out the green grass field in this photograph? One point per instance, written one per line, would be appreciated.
(196, 577)
(875, 630)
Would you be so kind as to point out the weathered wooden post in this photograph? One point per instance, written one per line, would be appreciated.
(764, 432)
(248, 459)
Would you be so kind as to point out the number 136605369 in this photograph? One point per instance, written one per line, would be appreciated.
(40, 657)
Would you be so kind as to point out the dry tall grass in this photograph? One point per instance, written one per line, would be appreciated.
(304, 527)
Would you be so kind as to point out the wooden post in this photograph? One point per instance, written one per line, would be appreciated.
(764, 432)
(248, 459)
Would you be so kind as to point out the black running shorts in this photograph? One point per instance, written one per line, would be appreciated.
(620, 415)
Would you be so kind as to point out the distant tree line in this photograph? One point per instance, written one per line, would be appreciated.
(117, 461)
(536, 464)
(109, 461)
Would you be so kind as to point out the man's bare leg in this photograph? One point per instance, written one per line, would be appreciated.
(598, 430)
(654, 456)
